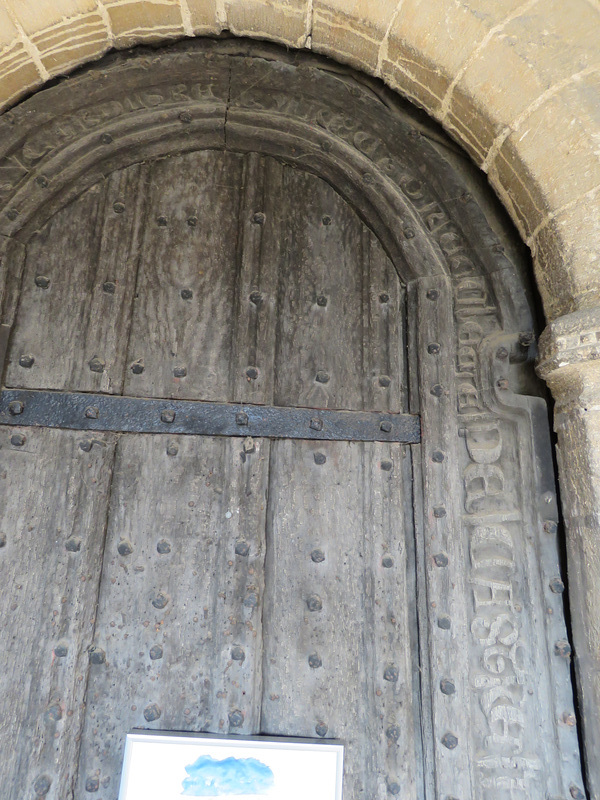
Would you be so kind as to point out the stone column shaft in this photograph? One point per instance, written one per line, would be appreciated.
(570, 363)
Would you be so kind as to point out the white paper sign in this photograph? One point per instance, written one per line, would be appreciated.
(175, 766)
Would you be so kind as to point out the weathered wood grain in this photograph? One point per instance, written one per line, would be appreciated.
(339, 329)
(261, 244)
(337, 616)
(182, 313)
(74, 311)
(179, 617)
(443, 546)
(53, 505)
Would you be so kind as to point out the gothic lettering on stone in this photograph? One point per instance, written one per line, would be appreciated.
(500, 681)
(18, 165)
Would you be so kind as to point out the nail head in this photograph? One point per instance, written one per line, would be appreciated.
(152, 712)
(96, 364)
(314, 603)
(447, 686)
(26, 361)
(236, 718)
(125, 548)
(450, 741)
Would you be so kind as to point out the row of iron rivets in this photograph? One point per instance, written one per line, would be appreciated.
(125, 547)
(168, 416)
(562, 647)
(319, 458)
(110, 287)
(447, 686)
(444, 622)
(96, 364)
(315, 604)
(258, 217)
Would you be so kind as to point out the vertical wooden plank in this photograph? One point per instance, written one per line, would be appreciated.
(53, 502)
(337, 659)
(74, 314)
(338, 624)
(384, 320)
(178, 634)
(445, 550)
(262, 241)
(333, 325)
(182, 326)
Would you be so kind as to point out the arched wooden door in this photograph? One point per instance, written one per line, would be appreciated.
(221, 584)
(227, 279)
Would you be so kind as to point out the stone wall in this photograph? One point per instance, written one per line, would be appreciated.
(517, 84)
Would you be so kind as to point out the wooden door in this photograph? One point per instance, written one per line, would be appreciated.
(207, 583)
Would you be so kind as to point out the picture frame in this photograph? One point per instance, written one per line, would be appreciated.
(167, 765)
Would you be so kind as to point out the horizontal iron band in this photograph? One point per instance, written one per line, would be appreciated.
(102, 412)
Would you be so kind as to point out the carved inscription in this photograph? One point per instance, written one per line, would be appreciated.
(505, 768)
(500, 681)
(48, 139)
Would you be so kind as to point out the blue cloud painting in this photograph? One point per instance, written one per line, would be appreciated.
(208, 777)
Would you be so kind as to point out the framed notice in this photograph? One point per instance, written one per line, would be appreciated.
(173, 766)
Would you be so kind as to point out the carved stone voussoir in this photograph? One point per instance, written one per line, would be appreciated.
(568, 341)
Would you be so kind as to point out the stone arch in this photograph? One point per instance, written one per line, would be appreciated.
(516, 85)
(512, 84)
(486, 498)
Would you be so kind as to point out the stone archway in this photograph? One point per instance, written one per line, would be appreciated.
(489, 503)
(516, 86)
(501, 81)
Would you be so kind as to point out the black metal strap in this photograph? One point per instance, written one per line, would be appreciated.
(102, 412)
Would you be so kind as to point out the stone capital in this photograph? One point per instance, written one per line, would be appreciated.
(569, 341)
(569, 358)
